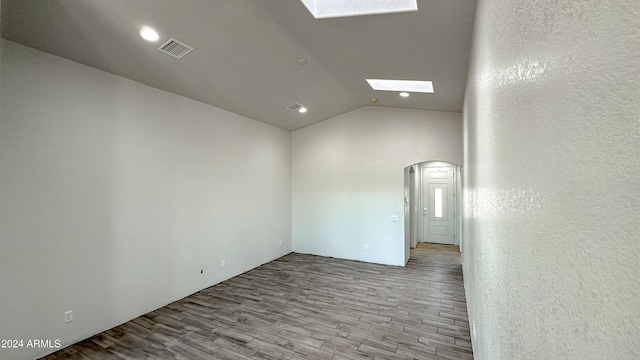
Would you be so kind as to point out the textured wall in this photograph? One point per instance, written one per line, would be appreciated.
(114, 195)
(348, 178)
(552, 180)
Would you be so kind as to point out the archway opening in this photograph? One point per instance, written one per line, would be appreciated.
(432, 204)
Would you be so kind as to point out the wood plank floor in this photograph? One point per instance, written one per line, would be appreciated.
(306, 307)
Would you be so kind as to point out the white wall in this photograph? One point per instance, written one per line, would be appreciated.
(348, 178)
(114, 195)
(552, 180)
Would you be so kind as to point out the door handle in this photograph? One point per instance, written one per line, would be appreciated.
(424, 211)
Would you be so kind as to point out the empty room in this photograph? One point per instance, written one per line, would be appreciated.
(319, 179)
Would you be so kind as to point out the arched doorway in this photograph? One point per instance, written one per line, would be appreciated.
(432, 204)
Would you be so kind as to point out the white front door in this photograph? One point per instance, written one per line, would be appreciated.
(437, 205)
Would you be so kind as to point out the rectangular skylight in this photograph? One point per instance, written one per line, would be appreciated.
(401, 85)
(321, 9)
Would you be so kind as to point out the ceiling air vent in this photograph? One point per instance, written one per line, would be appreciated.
(294, 107)
(175, 48)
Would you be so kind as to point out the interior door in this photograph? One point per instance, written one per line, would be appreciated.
(437, 205)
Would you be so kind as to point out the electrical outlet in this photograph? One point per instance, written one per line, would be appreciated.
(68, 316)
(394, 218)
(223, 263)
(473, 330)
(366, 248)
(280, 243)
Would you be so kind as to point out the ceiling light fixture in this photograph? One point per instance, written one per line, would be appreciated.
(302, 110)
(149, 34)
(404, 94)
(321, 9)
(401, 85)
(302, 61)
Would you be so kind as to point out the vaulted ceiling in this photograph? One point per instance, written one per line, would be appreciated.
(246, 51)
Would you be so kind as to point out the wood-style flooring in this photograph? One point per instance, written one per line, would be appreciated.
(306, 307)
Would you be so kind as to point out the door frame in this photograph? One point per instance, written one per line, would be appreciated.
(425, 202)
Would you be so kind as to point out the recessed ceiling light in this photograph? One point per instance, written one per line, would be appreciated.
(321, 9)
(302, 110)
(404, 94)
(149, 34)
(302, 61)
(401, 85)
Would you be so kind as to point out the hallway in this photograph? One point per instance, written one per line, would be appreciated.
(307, 307)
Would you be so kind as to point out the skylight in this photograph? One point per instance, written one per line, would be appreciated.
(321, 9)
(401, 85)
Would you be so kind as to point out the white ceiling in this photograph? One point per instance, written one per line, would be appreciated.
(246, 51)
